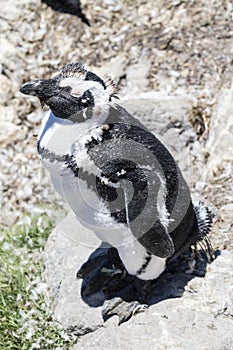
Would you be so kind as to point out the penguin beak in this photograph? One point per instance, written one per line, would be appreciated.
(43, 89)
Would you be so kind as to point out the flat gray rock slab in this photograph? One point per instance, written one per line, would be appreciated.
(220, 140)
(172, 325)
(187, 312)
(68, 247)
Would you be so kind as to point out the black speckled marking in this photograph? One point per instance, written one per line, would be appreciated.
(52, 157)
(146, 263)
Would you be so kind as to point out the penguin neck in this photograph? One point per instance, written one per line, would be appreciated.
(58, 135)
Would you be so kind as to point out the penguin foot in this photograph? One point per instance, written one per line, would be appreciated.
(125, 297)
(124, 309)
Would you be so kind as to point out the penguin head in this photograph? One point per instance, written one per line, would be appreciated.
(72, 90)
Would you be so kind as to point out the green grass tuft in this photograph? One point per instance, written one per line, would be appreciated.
(25, 314)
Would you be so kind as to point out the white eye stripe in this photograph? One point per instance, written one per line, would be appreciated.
(79, 86)
(74, 84)
(75, 92)
(69, 82)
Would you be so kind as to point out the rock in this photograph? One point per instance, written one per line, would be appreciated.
(173, 328)
(137, 77)
(11, 11)
(68, 247)
(10, 132)
(7, 50)
(170, 325)
(34, 117)
(158, 109)
(214, 290)
(6, 88)
(221, 132)
(116, 67)
(8, 114)
(186, 311)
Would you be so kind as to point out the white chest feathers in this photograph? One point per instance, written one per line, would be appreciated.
(61, 143)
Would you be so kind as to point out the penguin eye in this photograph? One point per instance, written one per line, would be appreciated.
(66, 89)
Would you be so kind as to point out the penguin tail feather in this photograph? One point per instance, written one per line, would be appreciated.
(204, 222)
(204, 218)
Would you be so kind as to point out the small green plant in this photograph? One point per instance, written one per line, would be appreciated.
(26, 318)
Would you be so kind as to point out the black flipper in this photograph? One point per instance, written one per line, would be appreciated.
(157, 241)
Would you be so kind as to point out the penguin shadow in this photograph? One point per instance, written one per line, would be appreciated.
(96, 274)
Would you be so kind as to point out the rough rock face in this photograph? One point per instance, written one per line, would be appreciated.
(172, 324)
(186, 311)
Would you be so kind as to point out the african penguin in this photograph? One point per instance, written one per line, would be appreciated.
(118, 178)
